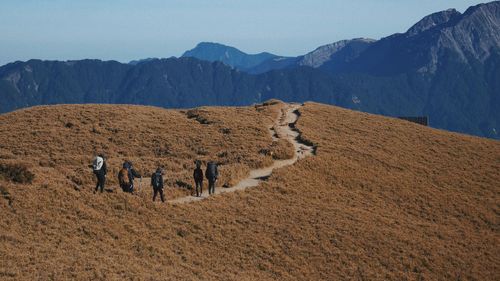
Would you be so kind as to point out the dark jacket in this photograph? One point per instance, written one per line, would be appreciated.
(198, 175)
(161, 180)
(103, 171)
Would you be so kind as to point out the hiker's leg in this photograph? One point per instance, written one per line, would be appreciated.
(210, 187)
(161, 195)
(154, 194)
(98, 182)
(103, 181)
(199, 189)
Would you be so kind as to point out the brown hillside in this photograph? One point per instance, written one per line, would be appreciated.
(382, 199)
(58, 143)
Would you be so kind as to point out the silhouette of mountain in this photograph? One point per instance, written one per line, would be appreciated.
(228, 55)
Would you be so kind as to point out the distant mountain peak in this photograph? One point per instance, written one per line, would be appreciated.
(495, 5)
(136, 62)
(213, 46)
(231, 56)
(473, 34)
(432, 21)
(324, 53)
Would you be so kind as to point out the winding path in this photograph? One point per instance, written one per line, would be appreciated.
(284, 128)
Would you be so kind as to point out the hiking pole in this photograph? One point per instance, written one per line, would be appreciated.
(140, 183)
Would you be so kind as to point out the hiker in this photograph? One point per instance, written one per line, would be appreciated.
(100, 170)
(157, 184)
(211, 173)
(126, 177)
(198, 178)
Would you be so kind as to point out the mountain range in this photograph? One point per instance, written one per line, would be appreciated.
(446, 67)
(338, 52)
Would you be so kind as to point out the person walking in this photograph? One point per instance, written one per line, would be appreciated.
(123, 178)
(100, 170)
(211, 174)
(126, 177)
(198, 178)
(157, 184)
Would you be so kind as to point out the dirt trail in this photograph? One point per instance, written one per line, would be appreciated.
(284, 128)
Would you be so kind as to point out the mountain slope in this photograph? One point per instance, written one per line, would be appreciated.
(470, 37)
(386, 199)
(37, 82)
(183, 82)
(228, 55)
(342, 51)
(338, 53)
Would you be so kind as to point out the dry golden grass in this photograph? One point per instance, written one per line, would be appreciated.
(58, 143)
(382, 199)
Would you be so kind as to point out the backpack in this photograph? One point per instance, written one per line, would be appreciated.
(97, 164)
(212, 170)
(156, 180)
(123, 177)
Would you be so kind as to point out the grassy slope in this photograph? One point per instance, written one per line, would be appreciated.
(59, 142)
(383, 199)
(404, 200)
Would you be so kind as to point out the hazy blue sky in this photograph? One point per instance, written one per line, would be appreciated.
(124, 29)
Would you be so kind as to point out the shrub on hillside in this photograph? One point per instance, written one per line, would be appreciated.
(4, 193)
(271, 102)
(17, 173)
(199, 115)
